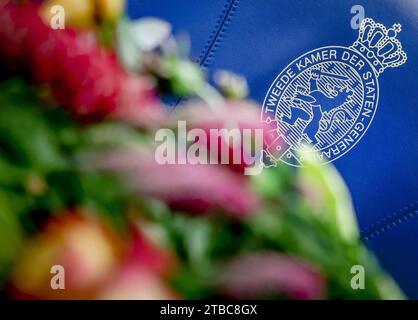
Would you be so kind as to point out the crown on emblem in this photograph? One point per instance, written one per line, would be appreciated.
(380, 45)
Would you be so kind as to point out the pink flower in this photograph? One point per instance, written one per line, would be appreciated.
(133, 283)
(240, 115)
(138, 92)
(194, 188)
(271, 274)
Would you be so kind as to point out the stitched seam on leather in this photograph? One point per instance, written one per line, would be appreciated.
(390, 222)
(218, 32)
(408, 208)
(389, 218)
(216, 36)
(214, 32)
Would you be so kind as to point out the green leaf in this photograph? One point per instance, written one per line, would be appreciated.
(185, 77)
(11, 237)
(25, 136)
(273, 182)
(328, 192)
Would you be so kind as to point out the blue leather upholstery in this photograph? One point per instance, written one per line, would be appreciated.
(260, 38)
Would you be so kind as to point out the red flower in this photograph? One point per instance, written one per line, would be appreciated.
(84, 77)
(142, 274)
(17, 26)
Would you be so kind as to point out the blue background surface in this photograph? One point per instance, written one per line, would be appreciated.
(259, 38)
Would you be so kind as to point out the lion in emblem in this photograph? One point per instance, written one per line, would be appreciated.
(321, 102)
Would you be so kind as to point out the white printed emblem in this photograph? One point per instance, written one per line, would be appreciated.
(324, 101)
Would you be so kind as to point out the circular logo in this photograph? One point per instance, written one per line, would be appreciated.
(322, 103)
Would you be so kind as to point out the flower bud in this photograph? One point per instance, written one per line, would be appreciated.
(110, 10)
(84, 248)
(79, 14)
(83, 14)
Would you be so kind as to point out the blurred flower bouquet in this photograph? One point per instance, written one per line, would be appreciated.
(81, 192)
